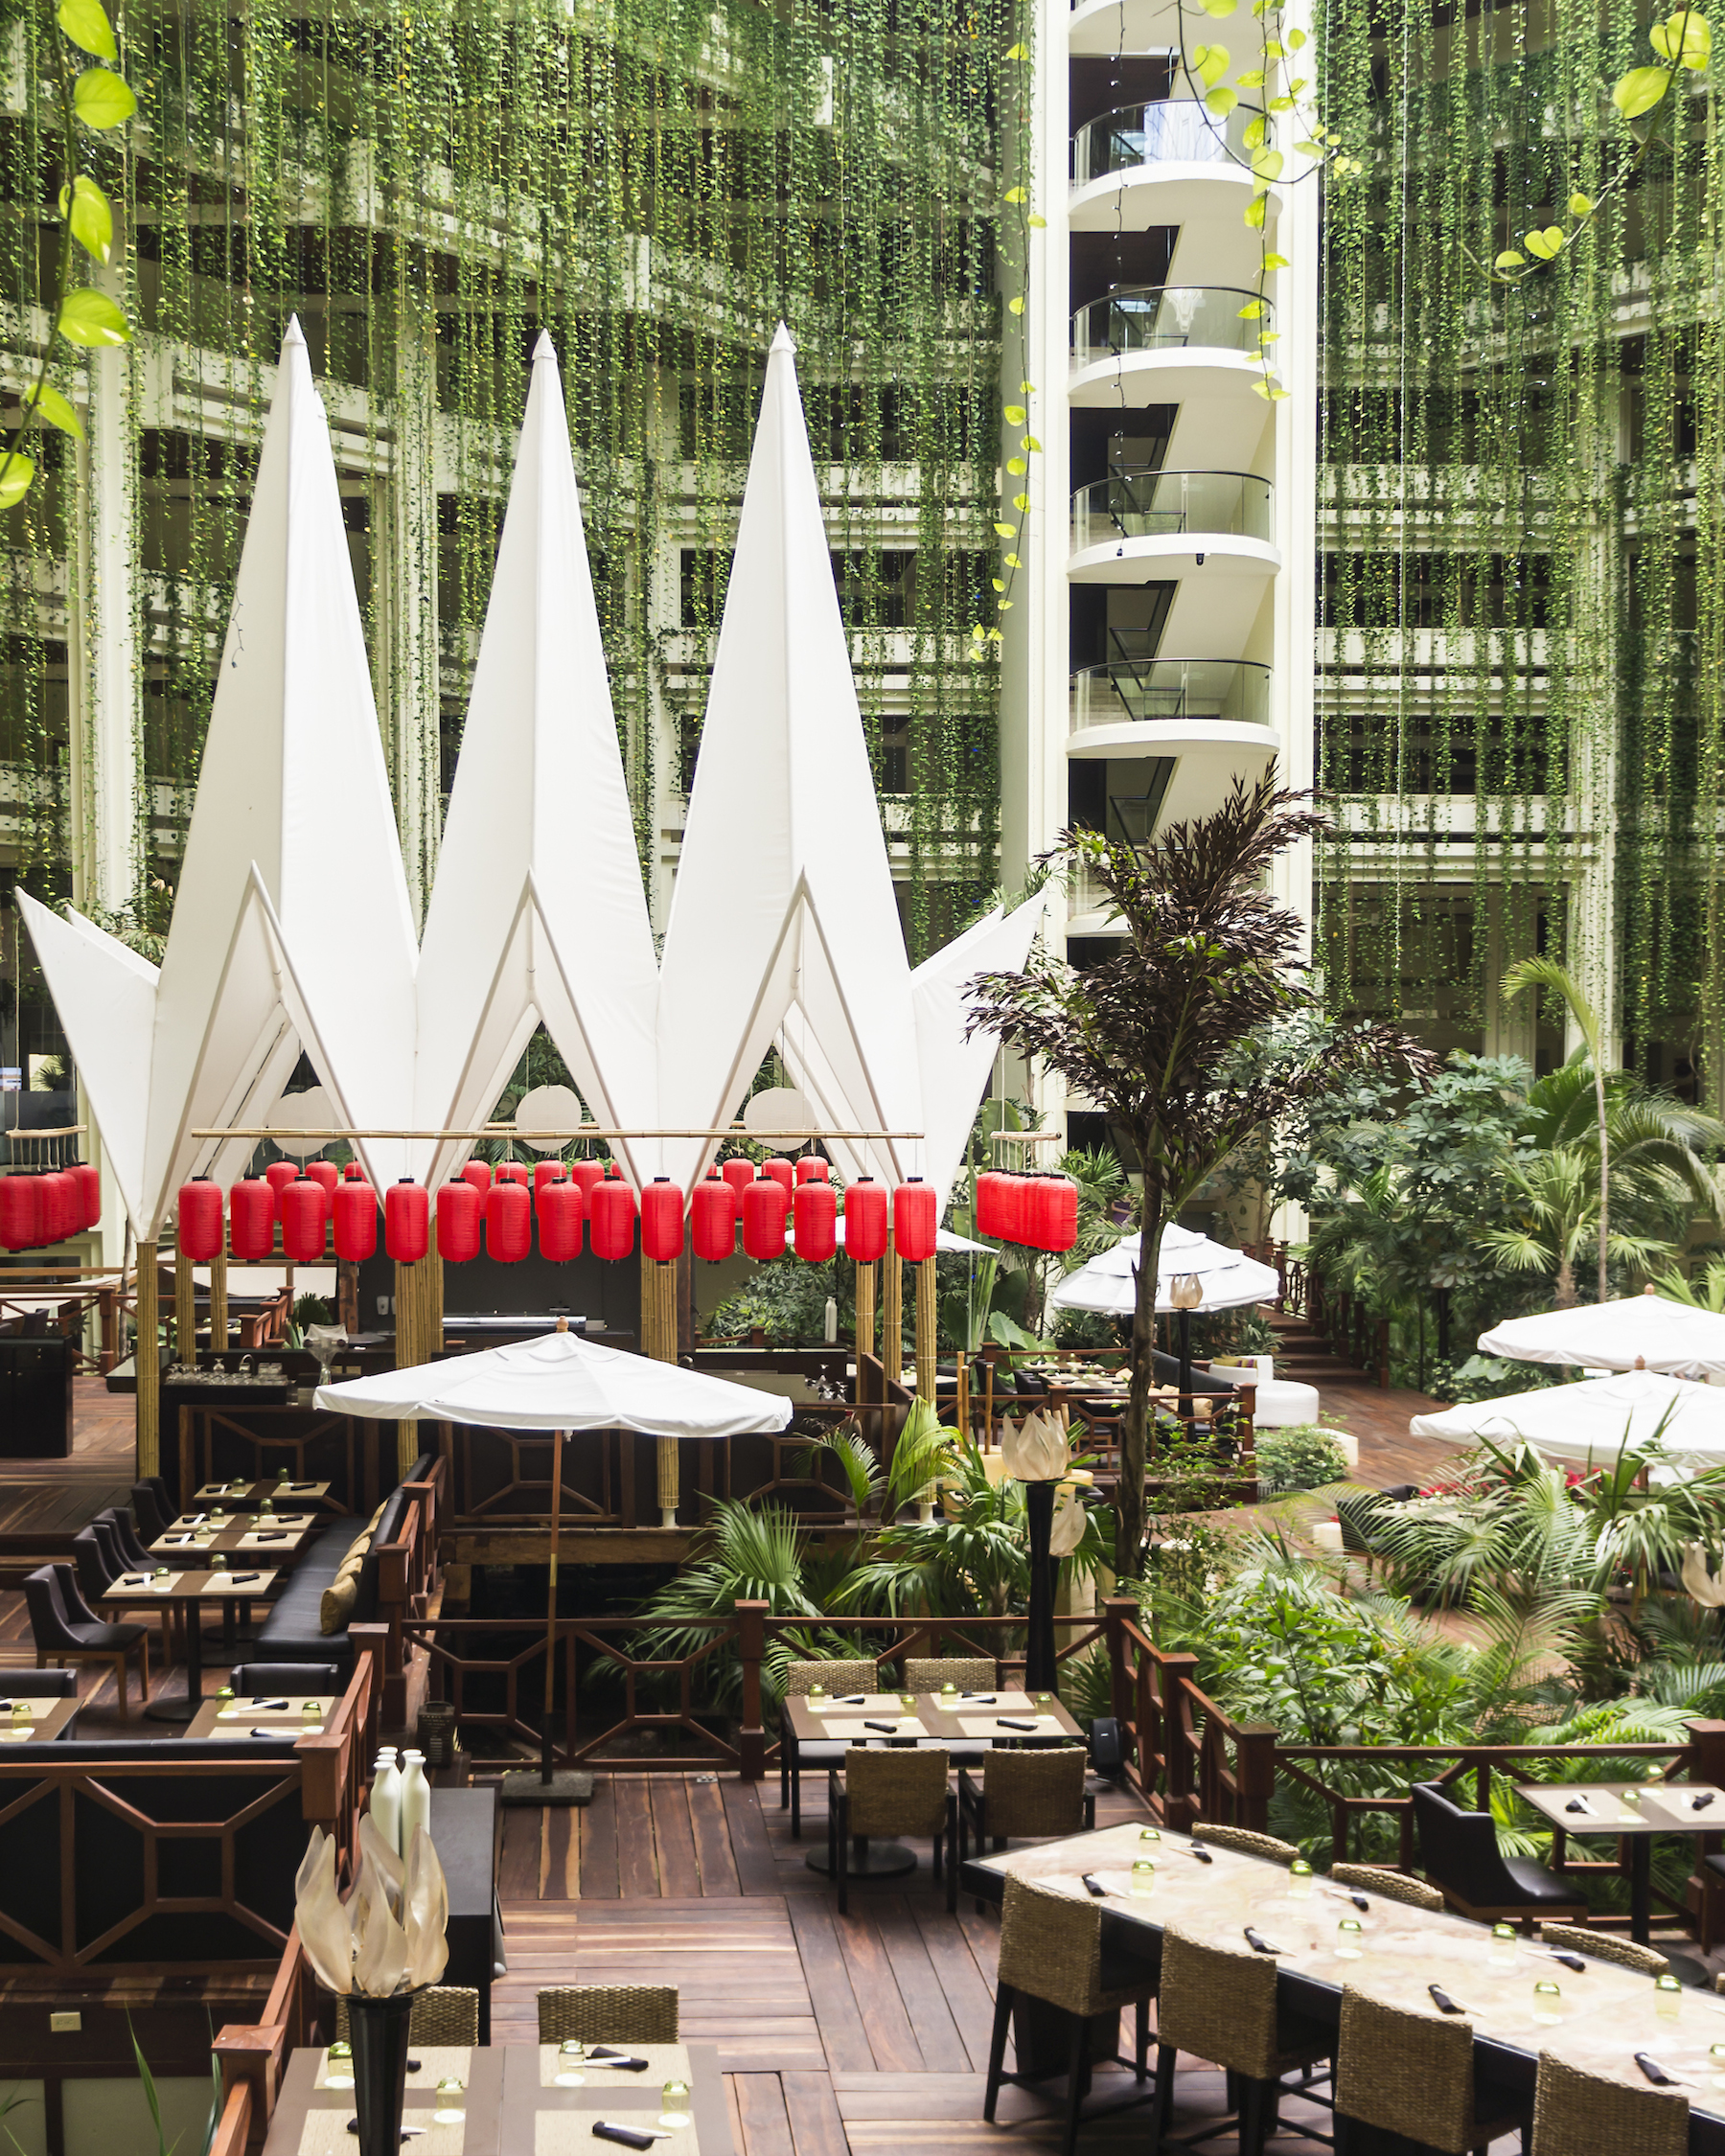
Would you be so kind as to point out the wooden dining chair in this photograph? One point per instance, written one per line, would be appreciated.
(444, 2014)
(1409, 2070)
(889, 1793)
(1580, 2113)
(607, 2013)
(1219, 2004)
(1052, 1951)
(1393, 1886)
(1245, 1843)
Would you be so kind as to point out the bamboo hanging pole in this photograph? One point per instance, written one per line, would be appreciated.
(892, 1314)
(658, 1340)
(185, 1309)
(866, 1313)
(219, 1312)
(148, 1367)
(549, 1138)
(928, 1333)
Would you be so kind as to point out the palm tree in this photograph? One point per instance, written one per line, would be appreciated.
(1559, 1211)
(1548, 974)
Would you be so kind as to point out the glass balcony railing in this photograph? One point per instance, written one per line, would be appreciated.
(1149, 691)
(1165, 504)
(1168, 131)
(1167, 318)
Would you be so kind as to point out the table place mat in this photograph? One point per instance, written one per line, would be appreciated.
(129, 1583)
(249, 1583)
(325, 2133)
(989, 1725)
(16, 1736)
(267, 1538)
(436, 2062)
(854, 1703)
(1675, 1800)
(1003, 1703)
(850, 1728)
(570, 2133)
(186, 1538)
(665, 2062)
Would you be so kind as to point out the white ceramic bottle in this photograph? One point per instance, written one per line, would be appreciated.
(415, 1797)
(387, 1798)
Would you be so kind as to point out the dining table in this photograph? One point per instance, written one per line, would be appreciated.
(283, 1537)
(275, 1716)
(1633, 1813)
(189, 1592)
(1522, 1997)
(247, 1497)
(511, 2099)
(35, 1721)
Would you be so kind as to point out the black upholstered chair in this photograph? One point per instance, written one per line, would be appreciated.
(299, 1680)
(102, 1560)
(1460, 1852)
(97, 1570)
(38, 1684)
(65, 1629)
(152, 1509)
(133, 1555)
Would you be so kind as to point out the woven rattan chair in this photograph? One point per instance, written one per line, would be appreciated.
(1219, 2004)
(1244, 1843)
(1410, 2070)
(1392, 1886)
(1025, 1795)
(925, 1673)
(1581, 2113)
(1577, 1938)
(609, 2014)
(445, 2014)
(1052, 1950)
(891, 1793)
(796, 1759)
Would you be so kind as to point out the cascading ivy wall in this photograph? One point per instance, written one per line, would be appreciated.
(427, 184)
(1523, 613)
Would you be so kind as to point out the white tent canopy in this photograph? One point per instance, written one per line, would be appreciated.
(1590, 1422)
(1646, 1330)
(1108, 1283)
(561, 1382)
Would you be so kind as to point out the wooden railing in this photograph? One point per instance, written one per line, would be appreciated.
(1346, 1322)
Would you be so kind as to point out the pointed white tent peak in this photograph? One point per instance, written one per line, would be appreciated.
(539, 912)
(783, 921)
(783, 340)
(294, 338)
(543, 348)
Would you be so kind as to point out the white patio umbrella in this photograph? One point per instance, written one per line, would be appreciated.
(1590, 1422)
(1643, 1331)
(559, 1383)
(1228, 1278)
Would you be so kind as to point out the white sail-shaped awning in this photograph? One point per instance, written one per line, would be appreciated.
(783, 918)
(539, 912)
(291, 898)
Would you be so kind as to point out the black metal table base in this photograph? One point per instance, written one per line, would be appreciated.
(869, 1860)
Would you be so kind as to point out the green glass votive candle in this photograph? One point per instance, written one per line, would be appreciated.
(1500, 1952)
(1349, 1933)
(571, 2057)
(1667, 1997)
(340, 2074)
(1547, 2002)
(450, 2108)
(673, 2099)
(1144, 1875)
(908, 1701)
(1300, 1881)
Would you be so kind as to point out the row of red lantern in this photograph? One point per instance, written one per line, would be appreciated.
(49, 1204)
(1041, 1211)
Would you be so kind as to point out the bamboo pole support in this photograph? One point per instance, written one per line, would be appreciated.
(658, 1340)
(219, 1312)
(928, 1330)
(185, 1309)
(419, 1334)
(892, 1314)
(866, 1315)
(149, 1368)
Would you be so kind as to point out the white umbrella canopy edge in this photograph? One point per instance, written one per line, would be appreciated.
(1591, 1422)
(561, 1382)
(1649, 1330)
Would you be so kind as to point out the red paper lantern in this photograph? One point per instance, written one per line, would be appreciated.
(279, 1175)
(508, 1220)
(514, 1171)
(200, 1227)
(478, 1174)
(915, 1220)
(89, 1178)
(739, 1174)
(612, 1210)
(353, 1172)
(17, 1213)
(994, 1200)
(459, 1211)
(57, 1196)
(662, 1220)
(587, 1175)
(782, 1172)
(251, 1219)
(764, 1210)
(327, 1173)
(544, 1172)
(816, 1209)
(864, 1221)
(811, 1168)
(561, 1214)
(356, 1220)
(406, 1221)
(305, 1215)
(713, 1218)
(1051, 1222)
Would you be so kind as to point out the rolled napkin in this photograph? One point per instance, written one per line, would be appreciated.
(631, 2136)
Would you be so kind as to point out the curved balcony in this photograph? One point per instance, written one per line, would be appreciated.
(1168, 344)
(1100, 28)
(1166, 162)
(1171, 695)
(1209, 531)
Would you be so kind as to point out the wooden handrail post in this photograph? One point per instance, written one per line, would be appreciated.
(251, 2059)
(1118, 1612)
(1255, 1774)
(1707, 1752)
(1175, 1673)
(751, 1647)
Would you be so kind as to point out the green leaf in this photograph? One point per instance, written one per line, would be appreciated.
(1580, 206)
(1015, 415)
(1252, 214)
(1018, 195)
(1281, 104)
(1018, 52)
(92, 219)
(1252, 79)
(1220, 7)
(85, 22)
(1017, 467)
(1033, 444)
(1012, 560)
(1212, 63)
(1685, 39)
(1545, 245)
(1253, 137)
(1016, 304)
(1296, 40)
(1037, 223)
(20, 473)
(1641, 90)
(1311, 149)
(1509, 259)
(998, 585)
(1251, 309)
(102, 99)
(55, 410)
(1221, 102)
(1007, 531)
(1276, 261)
(1021, 501)
(1267, 165)
(91, 318)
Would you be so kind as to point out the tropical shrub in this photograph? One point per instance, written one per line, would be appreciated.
(1304, 1457)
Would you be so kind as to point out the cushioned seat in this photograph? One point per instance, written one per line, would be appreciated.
(293, 1630)
(302, 1680)
(1460, 1855)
